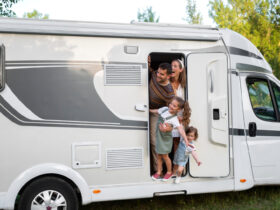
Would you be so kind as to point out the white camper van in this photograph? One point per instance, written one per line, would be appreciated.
(75, 120)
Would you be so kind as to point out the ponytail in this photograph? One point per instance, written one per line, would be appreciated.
(186, 114)
(184, 105)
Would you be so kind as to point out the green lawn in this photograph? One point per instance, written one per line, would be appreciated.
(267, 197)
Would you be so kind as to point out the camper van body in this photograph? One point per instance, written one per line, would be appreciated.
(74, 107)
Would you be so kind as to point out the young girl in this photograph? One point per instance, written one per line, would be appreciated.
(181, 156)
(168, 115)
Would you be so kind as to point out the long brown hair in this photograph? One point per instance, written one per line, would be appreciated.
(187, 110)
(182, 76)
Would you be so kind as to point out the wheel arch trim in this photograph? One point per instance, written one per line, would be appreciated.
(45, 169)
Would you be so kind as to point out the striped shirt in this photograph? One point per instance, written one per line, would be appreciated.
(159, 95)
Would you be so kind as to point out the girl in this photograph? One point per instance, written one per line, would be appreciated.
(181, 156)
(168, 115)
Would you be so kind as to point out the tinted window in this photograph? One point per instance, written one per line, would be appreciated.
(261, 99)
(276, 91)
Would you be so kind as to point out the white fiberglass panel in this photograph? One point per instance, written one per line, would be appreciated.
(207, 95)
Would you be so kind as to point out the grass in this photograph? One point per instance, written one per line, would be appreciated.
(265, 197)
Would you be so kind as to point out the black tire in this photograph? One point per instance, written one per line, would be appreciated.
(48, 184)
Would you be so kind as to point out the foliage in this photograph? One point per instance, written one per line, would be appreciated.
(258, 20)
(5, 8)
(193, 17)
(147, 15)
(36, 15)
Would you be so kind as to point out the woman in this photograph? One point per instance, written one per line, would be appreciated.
(178, 78)
(178, 82)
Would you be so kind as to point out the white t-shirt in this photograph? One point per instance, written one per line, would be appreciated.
(180, 92)
(165, 114)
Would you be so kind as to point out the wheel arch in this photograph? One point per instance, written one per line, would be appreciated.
(48, 169)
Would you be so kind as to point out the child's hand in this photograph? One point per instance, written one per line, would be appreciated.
(199, 163)
(162, 127)
(165, 127)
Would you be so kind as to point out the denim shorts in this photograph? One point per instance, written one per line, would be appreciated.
(180, 158)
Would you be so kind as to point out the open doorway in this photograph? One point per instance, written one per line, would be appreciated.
(154, 61)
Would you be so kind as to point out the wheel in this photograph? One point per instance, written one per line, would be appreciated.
(48, 193)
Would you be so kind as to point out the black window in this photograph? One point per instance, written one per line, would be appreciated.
(261, 99)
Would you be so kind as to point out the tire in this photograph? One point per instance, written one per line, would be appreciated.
(37, 194)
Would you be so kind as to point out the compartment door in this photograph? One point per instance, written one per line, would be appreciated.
(208, 97)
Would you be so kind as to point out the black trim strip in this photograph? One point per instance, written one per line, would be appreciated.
(238, 51)
(251, 68)
(236, 132)
(242, 132)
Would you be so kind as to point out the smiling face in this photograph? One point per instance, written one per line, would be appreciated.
(176, 69)
(174, 107)
(162, 76)
(191, 136)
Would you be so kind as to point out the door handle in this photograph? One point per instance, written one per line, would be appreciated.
(216, 114)
(252, 129)
(141, 107)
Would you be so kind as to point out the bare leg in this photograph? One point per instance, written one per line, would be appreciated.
(159, 164)
(175, 168)
(168, 163)
(180, 170)
(195, 157)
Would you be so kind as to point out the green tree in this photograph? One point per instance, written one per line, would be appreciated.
(147, 15)
(193, 17)
(258, 20)
(36, 15)
(5, 8)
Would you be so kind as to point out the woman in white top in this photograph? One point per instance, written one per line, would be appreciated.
(178, 82)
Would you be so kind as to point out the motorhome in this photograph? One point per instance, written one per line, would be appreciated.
(74, 106)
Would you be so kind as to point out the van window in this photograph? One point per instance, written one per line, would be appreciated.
(276, 91)
(260, 98)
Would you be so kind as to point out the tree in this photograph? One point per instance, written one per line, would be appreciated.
(257, 20)
(193, 17)
(5, 8)
(36, 15)
(147, 15)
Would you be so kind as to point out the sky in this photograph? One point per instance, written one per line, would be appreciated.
(122, 11)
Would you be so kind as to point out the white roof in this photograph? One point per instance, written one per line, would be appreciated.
(132, 30)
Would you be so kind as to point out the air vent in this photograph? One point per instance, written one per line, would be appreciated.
(117, 74)
(124, 158)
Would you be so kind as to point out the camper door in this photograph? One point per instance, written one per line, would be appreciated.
(207, 88)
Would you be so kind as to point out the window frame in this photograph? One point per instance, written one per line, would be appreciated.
(2, 67)
(273, 99)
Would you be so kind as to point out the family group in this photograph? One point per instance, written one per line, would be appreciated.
(169, 121)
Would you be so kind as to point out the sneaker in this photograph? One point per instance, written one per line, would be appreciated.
(173, 176)
(155, 177)
(166, 177)
(177, 180)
